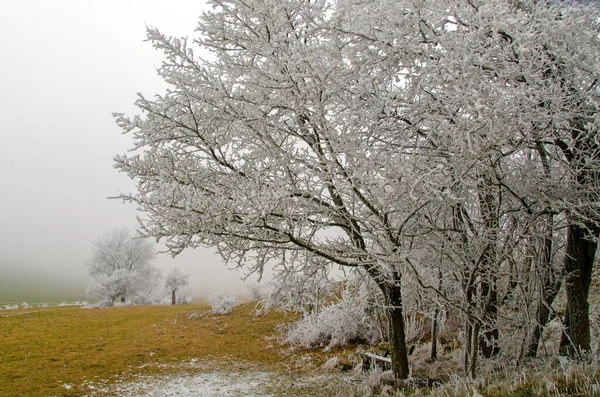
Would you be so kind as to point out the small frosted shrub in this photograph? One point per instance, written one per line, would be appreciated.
(414, 328)
(256, 291)
(336, 325)
(104, 304)
(222, 303)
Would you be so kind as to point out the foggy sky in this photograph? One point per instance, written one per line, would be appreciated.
(65, 66)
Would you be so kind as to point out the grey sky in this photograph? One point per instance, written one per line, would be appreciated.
(65, 66)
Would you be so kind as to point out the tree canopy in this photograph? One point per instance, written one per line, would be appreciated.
(121, 268)
(392, 137)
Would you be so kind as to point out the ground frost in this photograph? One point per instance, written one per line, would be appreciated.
(211, 379)
(205, 384)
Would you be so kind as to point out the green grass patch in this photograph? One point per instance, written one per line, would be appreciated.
(36, 295)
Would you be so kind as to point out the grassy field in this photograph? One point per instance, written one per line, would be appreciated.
(56, 351)
(15, 293)
(70, 351)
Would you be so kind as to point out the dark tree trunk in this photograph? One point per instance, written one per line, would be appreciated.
(434, 330)
(467, 347)
(471, 348)
(489, 204)
(488, 338)
(397, 336)
(434, 322)
(472, 370)
(550, 285)
(468, 340)
(579, 264)
(173, 298)
(583, 155)
(542, 316)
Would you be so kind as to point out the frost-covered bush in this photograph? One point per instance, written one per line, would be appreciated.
(102, 305)
(144, 300)
(414, 328)
(184, 300)
(336, 325)
(222, 303)
(256, 290)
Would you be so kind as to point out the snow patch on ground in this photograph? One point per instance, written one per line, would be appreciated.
(235, 381)
(205, 384)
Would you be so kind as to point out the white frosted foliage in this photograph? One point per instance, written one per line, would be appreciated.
(222, 303)
(121, 269)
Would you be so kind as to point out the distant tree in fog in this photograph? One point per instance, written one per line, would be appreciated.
(121, 268)
(174, 282)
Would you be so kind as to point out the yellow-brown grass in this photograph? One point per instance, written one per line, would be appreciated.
(41, 350)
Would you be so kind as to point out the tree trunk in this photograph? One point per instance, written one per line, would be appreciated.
(488, 339)
(550, 285)
(472, 347)
(434, 329)
(489, 204)
(173, 298)
(467, 347)
(579, 264)
(397, 336)
(474, 351)
(543, 313)
(583, 155)
(434, 323)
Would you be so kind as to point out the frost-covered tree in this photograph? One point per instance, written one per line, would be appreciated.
(508, 118)
(373, 134)
(120, 268)
(175, 282)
